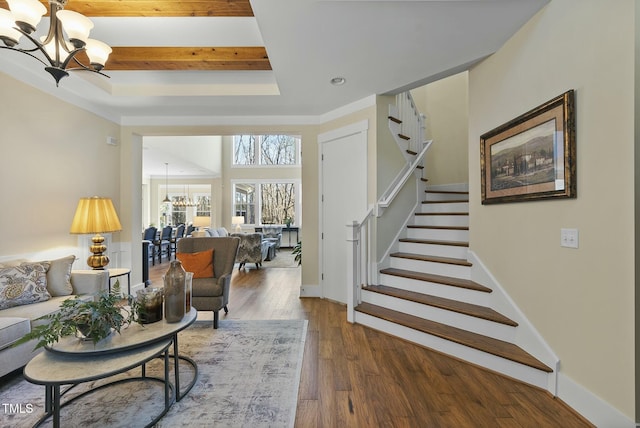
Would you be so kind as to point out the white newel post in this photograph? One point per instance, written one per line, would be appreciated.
(352, 269)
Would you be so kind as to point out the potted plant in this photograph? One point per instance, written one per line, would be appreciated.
(93, 319)
(297, 252)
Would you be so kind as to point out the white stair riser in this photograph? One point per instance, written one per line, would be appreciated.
(445, 269)
(433, 196)
(447, 207)
(442, 316)
(435, 289)
(441, 220)
(454, 251)
(500, 365)
(438, 234)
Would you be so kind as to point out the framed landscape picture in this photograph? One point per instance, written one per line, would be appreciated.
(533, 156)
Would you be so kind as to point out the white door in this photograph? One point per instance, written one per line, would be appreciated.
(343, 200)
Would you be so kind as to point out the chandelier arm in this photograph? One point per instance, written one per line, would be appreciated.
(37, 47)
(72, 56)
(27, 52)
(85, 68)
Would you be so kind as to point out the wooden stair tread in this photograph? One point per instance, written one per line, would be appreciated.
(469, 309)
(436, 259)
(439, 279)
(420, 226)
(435, 242)
(424, 179)
(404, 137)
(394, 119)
(411, 152)
(482, 343)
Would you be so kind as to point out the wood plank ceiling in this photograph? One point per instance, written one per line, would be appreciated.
(174, 58)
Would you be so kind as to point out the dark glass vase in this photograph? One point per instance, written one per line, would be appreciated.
(150, 300)
(174, 295)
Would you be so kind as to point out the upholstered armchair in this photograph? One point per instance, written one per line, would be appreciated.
(273, 234)
(210, 293)
(252, 249)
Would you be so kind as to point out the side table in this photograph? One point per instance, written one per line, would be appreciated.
(118, 272)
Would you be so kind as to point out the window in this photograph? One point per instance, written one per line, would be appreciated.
(278, 202)
(177, 212)
(267, 202)
(255, 150)
(244, 202)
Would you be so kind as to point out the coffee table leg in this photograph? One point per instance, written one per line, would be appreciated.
(176, 366)
(56, 406)
(167, 401)
(48, 398)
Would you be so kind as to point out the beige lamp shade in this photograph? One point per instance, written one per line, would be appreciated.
(202, 221)
(237, 220)
(96, 215)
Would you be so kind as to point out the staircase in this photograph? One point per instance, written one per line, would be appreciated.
(426, 295)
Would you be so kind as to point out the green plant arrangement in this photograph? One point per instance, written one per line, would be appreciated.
(94, 319)
(297, 252)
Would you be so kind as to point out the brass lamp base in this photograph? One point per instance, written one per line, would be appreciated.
(98, 261)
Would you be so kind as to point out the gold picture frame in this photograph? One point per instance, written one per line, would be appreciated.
(533, 156)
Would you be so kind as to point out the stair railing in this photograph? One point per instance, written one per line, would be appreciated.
(361, 263)
(400, 180)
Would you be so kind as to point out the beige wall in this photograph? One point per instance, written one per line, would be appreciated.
(51, 154)
(581, 301)
(445, 104)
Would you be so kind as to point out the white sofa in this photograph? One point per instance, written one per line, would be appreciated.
(20, 307)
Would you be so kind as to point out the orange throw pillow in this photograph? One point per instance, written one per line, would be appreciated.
(201, 264)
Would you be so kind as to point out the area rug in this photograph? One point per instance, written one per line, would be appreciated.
(249, 372)
(283, 259)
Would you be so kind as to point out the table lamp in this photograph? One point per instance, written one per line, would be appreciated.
(200, 222)
(237, 221)
(96, 215)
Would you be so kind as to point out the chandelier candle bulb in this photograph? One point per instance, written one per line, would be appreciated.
(76, 26)
(9, 35)
(27, 13)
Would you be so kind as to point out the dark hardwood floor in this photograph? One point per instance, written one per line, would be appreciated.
(353, 376)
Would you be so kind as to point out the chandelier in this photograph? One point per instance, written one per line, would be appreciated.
(184, 201)
(22, 20)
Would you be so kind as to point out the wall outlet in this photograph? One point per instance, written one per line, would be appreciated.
(569, 238)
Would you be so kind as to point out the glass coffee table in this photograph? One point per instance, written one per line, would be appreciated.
(72, 361)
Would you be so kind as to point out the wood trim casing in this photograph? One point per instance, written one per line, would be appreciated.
(157, 8)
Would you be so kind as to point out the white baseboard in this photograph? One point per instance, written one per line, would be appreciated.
(596, 410)
(308, 290)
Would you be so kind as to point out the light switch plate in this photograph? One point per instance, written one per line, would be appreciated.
(569, 238)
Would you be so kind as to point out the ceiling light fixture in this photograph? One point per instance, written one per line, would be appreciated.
(337, 81)
(22, 20)
(185, 201)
